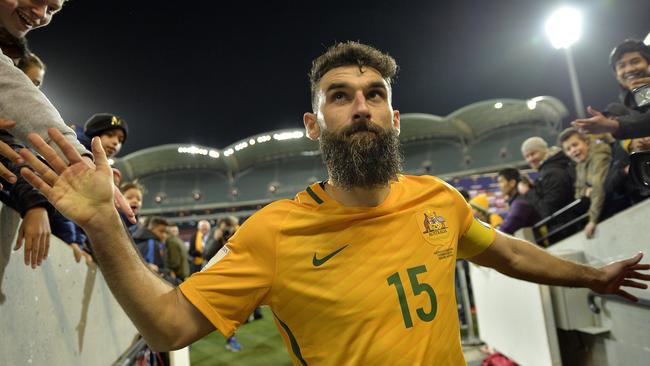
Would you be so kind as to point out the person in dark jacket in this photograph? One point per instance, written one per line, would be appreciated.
(176, 260)
(521, 212)
(630, 61)
(150, 241)
(553, 188)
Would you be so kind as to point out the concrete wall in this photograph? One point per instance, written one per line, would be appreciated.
(510, 318)
(59, 314)
(628, 340)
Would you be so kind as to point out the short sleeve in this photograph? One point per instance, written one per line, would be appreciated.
(239, 276)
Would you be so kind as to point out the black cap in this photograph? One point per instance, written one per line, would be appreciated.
(101, 122)
(629, 45)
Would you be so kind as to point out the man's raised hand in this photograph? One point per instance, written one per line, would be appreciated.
(621, 274)
(81, 191)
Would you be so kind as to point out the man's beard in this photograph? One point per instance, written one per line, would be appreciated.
(362, 155)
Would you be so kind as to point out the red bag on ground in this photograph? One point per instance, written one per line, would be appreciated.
(497, 359)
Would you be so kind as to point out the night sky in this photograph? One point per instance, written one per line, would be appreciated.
(212, 73)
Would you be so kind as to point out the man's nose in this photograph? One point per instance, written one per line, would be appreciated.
(361, 110)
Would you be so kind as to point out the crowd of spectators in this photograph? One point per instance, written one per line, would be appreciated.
(591, 160)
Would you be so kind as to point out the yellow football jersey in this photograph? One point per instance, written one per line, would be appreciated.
(350, 286)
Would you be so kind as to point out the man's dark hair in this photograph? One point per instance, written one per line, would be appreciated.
(567, 133)
(510, 174)
(629, 45)
(346, 54)
(155, 221)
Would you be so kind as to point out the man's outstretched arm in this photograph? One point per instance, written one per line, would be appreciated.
(84, 193)
(520, 259)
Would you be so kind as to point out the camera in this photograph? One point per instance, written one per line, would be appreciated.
(642, 95)
(640, 168)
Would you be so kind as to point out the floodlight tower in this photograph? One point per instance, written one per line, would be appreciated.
(563, 29)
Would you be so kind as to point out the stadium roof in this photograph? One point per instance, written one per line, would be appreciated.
(467, 125)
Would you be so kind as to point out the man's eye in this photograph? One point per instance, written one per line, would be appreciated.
(375, 94)
(339, 96)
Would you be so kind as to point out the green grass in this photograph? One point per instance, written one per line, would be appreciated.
(261, 343)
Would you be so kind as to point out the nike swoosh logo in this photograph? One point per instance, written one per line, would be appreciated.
(319, 262)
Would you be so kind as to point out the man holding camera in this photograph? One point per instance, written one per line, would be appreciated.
(226, 227)
(631, 63)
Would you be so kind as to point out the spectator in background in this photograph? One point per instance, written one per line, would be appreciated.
(197, 245)
(150, 241)
(521, 213)
(33, 67)
(111, 129)
(112, 132)
(176, 259)
(21, 101)
(40, 219)
(481, 207)
(553, 188)
(133, 193)
(630, 61)
(593, 159)
(226, 227)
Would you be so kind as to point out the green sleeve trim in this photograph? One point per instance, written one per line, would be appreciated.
(294, 343)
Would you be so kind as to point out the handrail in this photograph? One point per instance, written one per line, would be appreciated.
(559, 212)
(560, 228)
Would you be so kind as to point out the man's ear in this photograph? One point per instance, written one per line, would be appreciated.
(312, 128)
(396, 121)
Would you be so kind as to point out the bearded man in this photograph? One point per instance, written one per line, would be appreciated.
(358, 269)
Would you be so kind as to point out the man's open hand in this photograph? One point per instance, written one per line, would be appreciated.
(621, 274)
(81, 191)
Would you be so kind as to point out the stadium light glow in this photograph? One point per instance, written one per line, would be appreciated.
(263, 138)
(111, 161)
(532, 104)
(251, 142)
(498, 105)
(195, 150)
(288, 135)
(241, 146)
(228, 152)
(647, 39)
(564, 27)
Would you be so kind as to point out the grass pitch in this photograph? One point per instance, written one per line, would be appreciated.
(261, 343)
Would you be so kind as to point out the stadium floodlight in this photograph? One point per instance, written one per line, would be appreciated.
(647, 39)
(564, 27)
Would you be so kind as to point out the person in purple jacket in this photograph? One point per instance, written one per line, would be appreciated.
(521, 213)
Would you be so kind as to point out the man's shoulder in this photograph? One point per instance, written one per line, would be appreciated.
(423, 180)
(426, 183)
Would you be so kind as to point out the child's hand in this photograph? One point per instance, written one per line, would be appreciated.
(35, 233)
